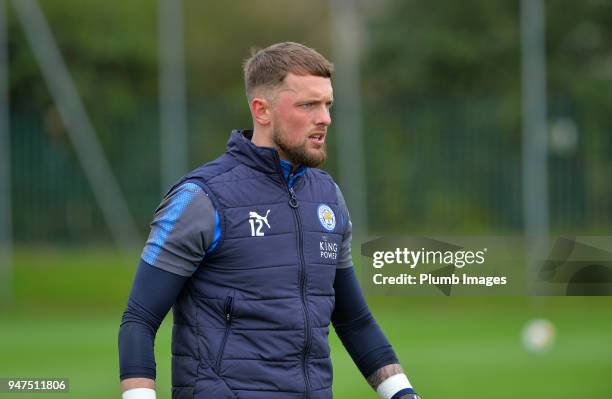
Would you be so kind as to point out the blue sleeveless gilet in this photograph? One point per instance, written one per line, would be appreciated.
(253, 321)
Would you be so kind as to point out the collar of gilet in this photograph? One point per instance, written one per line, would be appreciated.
(264, 159)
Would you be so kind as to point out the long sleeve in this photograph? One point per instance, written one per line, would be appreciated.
(356, 327)
(184, 228)
(154, 291)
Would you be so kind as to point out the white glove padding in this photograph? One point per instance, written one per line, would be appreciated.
(392, 385)
(139, 393)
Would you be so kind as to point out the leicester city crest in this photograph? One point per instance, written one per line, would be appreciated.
(326, 217)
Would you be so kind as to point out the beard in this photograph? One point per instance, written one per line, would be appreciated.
(299, 154)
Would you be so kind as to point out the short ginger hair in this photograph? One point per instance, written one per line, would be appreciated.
(268, 67)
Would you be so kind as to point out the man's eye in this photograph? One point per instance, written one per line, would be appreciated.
(307, 105)
(329, 105)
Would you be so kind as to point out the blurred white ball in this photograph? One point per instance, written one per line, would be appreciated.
(563, 137)
(538, 335)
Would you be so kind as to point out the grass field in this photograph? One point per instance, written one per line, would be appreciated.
(65, 317)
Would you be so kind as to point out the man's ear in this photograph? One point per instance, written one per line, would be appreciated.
(260, 108)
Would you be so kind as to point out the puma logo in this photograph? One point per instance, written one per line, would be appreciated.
(256, 221)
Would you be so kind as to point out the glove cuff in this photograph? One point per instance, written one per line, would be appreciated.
(139, 393)
(393, 385)
(406, 393)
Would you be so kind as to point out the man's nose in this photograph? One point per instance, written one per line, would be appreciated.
(324, 117)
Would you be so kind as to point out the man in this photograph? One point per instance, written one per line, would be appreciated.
(253, 251)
